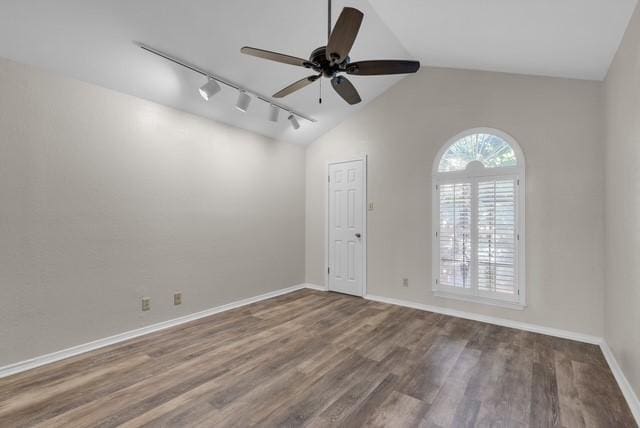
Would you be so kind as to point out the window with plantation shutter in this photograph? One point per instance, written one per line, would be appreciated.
(478, 221)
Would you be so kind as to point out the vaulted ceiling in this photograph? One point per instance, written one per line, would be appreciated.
(92, 40)
(560, 38)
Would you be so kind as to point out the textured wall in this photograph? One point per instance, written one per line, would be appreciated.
(558, 124)
(106, 198)
(622, 206)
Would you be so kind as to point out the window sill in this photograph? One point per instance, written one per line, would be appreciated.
(481, 300)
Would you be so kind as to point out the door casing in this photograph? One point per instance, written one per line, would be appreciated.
(365, 232)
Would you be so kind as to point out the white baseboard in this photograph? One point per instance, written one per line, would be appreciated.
(100, 343)
(315, 287)
(534, 328)
(625, 386)
(623, 383)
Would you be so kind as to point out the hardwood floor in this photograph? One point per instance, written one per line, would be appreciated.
(322, 359)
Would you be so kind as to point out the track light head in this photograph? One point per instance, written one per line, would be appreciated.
(294, 121)
(274, 111)
(209, 89)
(243, 101)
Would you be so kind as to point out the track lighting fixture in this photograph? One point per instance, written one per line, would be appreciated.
(209, 89)
(243, 101)
(245, 95)
(274, 111)
(294, 121)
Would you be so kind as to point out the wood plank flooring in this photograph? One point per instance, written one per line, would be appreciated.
(322, 359)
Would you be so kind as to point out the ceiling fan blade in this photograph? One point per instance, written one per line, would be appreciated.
(383, 66)
(344, 34)
(275, 56)
(346, 90)
(296, 86)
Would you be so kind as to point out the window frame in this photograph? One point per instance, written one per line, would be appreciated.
(473, 174)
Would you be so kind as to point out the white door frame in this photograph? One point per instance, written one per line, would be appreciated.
(362, 158)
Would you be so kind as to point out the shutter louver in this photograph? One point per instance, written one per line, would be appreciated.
(455, 235)
(496, 223)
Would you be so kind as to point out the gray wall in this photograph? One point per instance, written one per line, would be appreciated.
(106, 198)
(622, 206)
(559, 125)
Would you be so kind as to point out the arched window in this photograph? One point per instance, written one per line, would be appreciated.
(478, 207)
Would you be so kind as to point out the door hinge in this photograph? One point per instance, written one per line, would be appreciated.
(518, 292)
(518, 182)
(437, 186)
(518, 236)
(436, 234)
(328, 270)
(436, 281)
(328, 178)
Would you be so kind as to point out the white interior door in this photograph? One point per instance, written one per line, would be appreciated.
(346, 227)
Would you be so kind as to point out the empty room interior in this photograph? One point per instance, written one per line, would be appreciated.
(347, 213)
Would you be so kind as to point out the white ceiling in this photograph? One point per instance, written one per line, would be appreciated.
(92, 40)
(562, 38)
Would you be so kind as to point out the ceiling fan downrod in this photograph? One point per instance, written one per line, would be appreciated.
(329, 21)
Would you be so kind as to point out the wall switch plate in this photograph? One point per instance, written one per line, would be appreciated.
(146, 303)
(370, 206)
(405, 282)
(177, 298)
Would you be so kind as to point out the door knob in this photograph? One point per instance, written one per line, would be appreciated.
(358, 235)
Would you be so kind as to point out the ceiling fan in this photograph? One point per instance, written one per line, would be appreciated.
(333, 59)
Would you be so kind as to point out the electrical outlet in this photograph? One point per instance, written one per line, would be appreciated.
(370, 206)
(405, 282)
(146, 303)
(177, 298)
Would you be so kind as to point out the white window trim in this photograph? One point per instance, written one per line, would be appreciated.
(519, 301)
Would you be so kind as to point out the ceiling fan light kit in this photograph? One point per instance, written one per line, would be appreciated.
(332, 60)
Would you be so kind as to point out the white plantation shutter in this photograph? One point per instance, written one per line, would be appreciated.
(478, 210)
(497, 234)
(455, 235)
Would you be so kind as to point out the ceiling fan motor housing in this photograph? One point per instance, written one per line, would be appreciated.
(321, 64)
